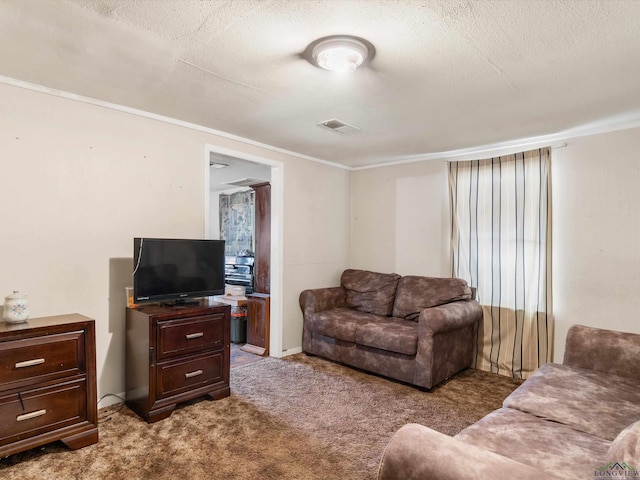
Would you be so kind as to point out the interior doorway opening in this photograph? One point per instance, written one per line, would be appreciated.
(229, 172)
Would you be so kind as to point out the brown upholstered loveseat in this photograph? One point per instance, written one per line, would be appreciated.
(579, 420)
(418, 330)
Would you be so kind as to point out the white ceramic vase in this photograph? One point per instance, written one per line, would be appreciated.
(16, 308)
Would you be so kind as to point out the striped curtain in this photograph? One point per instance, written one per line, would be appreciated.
(501, 244)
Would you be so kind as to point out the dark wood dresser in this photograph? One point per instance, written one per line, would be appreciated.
(48, 383)
(175, 354)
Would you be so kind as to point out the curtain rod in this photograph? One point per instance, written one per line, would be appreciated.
(491, 153)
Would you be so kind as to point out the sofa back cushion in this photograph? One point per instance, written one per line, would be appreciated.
(370, 292)
(626, 446)
(416, 293)
(603, 350)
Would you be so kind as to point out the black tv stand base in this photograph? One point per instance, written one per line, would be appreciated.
(181, 303)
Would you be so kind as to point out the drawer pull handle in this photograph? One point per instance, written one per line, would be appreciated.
(193, 374)
(27, 416)
(191, 336)
(30, 363)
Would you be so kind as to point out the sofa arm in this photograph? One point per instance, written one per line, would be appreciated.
(607, 351)
(320, 299)
(450, 316)
(416, 452)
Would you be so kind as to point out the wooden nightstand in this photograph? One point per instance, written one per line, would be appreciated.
(175, 354)
(48, 383)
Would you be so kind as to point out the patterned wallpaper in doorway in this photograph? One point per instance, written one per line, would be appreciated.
(236, 221)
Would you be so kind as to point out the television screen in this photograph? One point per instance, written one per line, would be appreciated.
(167, 269)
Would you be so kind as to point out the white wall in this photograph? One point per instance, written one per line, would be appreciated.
(596, 225)
(214, 215)
(400, 219)
(400, 223)
(79, 181)
(317, 244)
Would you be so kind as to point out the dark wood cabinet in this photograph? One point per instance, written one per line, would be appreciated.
(48, 383)
(258, 303)
(258, 307)
(175, 354)
(262, 266)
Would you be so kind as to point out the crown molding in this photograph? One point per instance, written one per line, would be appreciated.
(161, 118)
(556, 140)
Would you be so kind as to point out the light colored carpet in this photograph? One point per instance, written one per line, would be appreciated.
(294, 418)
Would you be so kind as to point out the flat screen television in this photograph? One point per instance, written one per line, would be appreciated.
(170, 270)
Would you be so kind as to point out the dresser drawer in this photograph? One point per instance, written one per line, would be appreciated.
(42, 410)
(181, 376)
(38, 359)
(187, 336)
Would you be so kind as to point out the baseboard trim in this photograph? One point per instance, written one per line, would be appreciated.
(290, 351)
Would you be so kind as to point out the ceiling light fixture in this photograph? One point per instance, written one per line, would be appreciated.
(217, 164)
(339, 53)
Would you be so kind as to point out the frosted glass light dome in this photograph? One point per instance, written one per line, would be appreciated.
(340, 54)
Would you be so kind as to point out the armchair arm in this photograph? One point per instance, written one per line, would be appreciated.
(607, 351)
(445, 341)
(416, 452)
(450, 316)
(320, 299)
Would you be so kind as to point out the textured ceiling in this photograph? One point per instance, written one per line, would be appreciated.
(447, 74)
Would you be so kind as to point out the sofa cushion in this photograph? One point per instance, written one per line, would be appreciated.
(370, 292)
(603, 350)
(393, 334)
(417, 293)
(626, 446)
(592, 402)
(340, 323)
(553, 447)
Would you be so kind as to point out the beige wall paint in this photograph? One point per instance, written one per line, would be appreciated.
(317, 245)
(596, 225)
(400, 219)
(79, 181)
(400, 223)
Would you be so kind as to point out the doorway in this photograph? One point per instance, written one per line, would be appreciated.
(234, 171)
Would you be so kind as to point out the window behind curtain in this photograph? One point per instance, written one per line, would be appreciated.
(500, 244)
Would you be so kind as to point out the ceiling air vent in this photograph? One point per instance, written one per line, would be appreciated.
(338, 126)
(244, 182)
